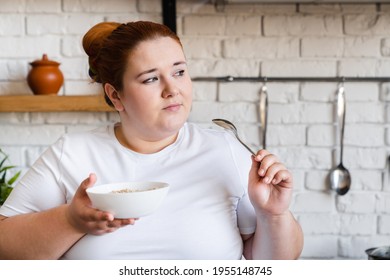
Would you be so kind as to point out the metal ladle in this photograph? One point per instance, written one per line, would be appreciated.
(340, 178)
(231, 127)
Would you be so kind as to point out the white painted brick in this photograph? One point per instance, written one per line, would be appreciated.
(383, 68)
(358, 224)
(283, 113)
(152, 6)
(370, 158)
(385, 47)
(243, 91)
(384, 224)
(319, 223)
(75, 68)
(283, 92)
(358, 9)
(317, 180)
(204, 91)
(309, 158)
(383, 205)
(11, 25)
(68, 118)
(356, 202)
(361, 91)
(14, 88)
(270, 9)
(362, 47)
(43, 6)
(266, 48)
(204, 25)
(364, 112)
(320, 247)
(22, 47)
(324, 92)
(100, 6)
(316, 25)
(195, 7)
(313, 202)
(113, 117)
(243, 25)
(31, 135)
(358, 67)
(364, 135)
(250, 134)
(82, 87)
(316, 113)
(82, 127)
(235, 112)
(320, 8)
(321, 135)
(385, 92)
(12, 6)
(298, 68)
(14, 118)
(298, 177)
(202, 48)
(282, 135)
(13, 70)
(226, 67)
(354, 247)
(37, 24)
(313, 47)
(367, 24)
(367, 180)
(33, 153)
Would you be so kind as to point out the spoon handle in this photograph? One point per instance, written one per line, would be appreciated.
(263, 110)
(341, 106)
(249, 149)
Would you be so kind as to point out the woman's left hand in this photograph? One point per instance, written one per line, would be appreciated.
(270, 184)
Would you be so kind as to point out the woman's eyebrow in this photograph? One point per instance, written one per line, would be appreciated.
(155, 69)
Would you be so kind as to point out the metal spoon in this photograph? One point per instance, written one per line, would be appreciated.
(231, 127)
(340, 178)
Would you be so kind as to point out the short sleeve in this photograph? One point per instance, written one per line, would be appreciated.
(39, 189)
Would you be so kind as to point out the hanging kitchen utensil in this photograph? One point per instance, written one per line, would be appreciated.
(340, 178)
(263, 114)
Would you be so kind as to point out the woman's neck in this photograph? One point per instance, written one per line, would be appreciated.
(142, 146)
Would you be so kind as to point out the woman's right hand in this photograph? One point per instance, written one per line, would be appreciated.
(85, 219)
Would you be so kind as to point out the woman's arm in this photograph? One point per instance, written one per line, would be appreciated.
(278, 235)
(275, 238)
(49, 234)
(43, 235)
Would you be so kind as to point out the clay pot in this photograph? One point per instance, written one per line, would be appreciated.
(45, 77)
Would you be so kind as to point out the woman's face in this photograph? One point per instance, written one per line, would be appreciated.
(157, 90)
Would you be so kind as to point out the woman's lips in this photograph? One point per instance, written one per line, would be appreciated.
(173, 107)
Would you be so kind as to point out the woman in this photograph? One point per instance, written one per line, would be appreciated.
(214, 210)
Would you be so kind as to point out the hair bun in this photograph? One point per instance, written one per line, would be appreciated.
(93, 41)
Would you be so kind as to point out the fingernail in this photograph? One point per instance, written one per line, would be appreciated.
(265, 180)
(262, 172)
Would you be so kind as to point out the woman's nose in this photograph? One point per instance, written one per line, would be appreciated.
(170, 89)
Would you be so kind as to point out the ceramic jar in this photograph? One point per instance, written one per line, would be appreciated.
(45, 77)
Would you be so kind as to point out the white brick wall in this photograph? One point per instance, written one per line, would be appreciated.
(243, 40)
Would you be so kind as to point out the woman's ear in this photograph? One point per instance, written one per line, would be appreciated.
(113, 95)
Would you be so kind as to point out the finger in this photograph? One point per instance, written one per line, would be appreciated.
(266, 163)
(272, 171)
(282, 176)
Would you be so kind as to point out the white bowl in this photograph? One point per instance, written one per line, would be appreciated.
(144, 199)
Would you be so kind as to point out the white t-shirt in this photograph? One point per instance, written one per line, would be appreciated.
(202, 216)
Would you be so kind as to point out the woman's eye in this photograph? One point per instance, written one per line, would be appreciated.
(150, 80)
(179, 73)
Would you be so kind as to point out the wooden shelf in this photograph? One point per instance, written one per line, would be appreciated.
(53, 103)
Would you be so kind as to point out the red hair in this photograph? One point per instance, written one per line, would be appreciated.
(109, 44)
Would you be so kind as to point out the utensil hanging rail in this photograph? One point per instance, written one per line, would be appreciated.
(292, 79)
